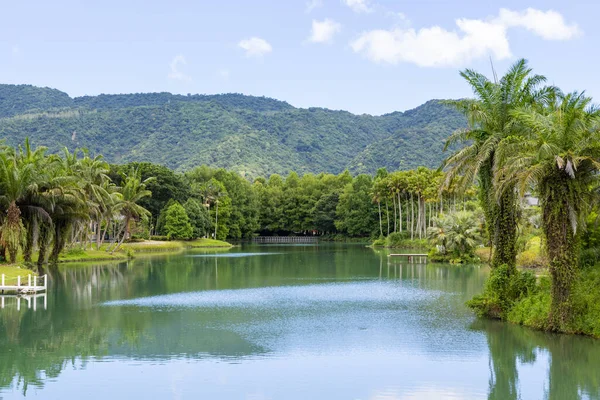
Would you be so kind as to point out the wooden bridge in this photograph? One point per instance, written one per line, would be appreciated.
(22, 286)
(286, 239)
(416, 258)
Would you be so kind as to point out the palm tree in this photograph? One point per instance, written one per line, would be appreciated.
(559, 154)
(133, 190)
(18, 182)
(457, 232)
(491, 119)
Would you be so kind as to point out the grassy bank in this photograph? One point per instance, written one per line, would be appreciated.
(533, 310)
(127, 251)
(205, 244)
(12, 271)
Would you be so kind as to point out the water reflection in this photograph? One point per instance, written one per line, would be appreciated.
(281, 325)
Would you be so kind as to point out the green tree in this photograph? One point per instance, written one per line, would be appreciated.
(356, 215)
(491, 119)
(558, 153)
(177, 223)
(199, 217)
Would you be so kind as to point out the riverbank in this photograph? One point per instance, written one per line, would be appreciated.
(12, 271)
(127, 251)
(533, 309)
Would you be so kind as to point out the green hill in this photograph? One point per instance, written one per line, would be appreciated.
(252, 135)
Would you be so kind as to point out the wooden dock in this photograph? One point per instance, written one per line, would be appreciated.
(22, 286)
(286, 239)
(418, 258)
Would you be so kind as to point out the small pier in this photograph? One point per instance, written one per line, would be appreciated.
(286, 239)
(24, 286)
(413, 258)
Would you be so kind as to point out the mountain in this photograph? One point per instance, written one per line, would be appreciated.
(252, 135)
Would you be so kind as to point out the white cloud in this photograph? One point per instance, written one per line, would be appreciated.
(324, 31)
(437, 47)
(175, 72)
(312, 4)
(359, 6)
(550, 24)
(255, 47)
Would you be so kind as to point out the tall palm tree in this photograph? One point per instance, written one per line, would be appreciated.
(559, 154)
(18, 181)
(491, 119)
(133, 190)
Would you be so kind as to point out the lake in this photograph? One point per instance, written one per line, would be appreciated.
(280, 322)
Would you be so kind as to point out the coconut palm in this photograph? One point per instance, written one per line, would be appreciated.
(457, 233)
(491, 119)
(18, 182)
(559, 154)
(133, 190)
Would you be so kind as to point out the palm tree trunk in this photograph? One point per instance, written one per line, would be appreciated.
(380, 226)
(387, 213)
(29, 241)
(505, 232)
(43, 242)
(61, 230)
(127, 219)
(395, 215)
(11, 232)
(563, 247)
(400, 212)
(412, 218)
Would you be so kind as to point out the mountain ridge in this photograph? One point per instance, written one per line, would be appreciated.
(249, 134)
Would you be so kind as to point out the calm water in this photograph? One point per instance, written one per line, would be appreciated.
(280, 322)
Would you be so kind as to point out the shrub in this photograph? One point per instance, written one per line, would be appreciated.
(379, 242)
(75, 251)
(159, 238)
(502, 290)
(396, 239)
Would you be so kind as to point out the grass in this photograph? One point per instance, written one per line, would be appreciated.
(127, 250)
(206, 243)
(152, 246)
(11, 271)
(90, 255)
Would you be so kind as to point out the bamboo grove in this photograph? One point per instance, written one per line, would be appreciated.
(529, 138)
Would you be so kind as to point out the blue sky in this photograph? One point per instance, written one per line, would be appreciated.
(365, 56)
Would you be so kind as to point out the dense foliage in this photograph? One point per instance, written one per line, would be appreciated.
(249, 135)
(48, 202)
(527, 138)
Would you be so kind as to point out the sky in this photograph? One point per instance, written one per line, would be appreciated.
(364, 56)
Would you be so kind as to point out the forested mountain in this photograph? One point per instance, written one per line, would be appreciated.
(251, 135)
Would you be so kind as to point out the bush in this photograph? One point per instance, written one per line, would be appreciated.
(75, 251)
(396, 239)
(502, 291)
(379, 242)
(589, 257)
(159, 238)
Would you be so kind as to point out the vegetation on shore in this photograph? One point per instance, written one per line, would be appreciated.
(528, 138)
(12, 271)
